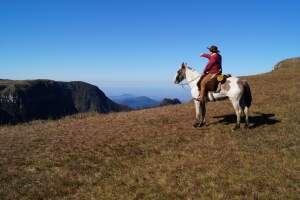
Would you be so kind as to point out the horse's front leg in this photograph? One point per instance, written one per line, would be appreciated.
(238, 112)
(203, 112)
(197, 112)
(200, 113)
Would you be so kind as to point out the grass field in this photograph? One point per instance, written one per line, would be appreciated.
(157, 154)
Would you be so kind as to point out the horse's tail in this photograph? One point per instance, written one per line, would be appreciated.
(247, 96)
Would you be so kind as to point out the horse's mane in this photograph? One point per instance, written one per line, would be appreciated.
(194, 70)
(190, 68)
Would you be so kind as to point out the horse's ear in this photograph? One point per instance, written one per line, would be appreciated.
(183, 65)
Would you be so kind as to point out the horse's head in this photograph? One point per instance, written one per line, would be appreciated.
(180, 76)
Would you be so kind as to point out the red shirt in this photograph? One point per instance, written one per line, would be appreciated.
(214, 64)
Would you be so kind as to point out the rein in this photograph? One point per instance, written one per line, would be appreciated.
(182, 84)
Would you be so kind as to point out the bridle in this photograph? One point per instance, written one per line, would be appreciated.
(182, 84)
(188, 82)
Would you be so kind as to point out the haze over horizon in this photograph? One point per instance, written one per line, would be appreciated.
(136, 46)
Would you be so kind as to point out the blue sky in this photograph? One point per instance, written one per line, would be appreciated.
(135, 46)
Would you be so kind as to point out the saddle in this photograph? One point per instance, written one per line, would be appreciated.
(216, 81)
(222, 78)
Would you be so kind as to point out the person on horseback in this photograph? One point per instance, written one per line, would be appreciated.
(212, 69)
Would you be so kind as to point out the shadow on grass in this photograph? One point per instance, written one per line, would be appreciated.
(256, 120)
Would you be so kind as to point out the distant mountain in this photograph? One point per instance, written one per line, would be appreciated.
(42, 99)
(134, 102)
(122, 97)
(167, 101)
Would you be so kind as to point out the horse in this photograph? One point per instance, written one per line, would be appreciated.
(236, 90)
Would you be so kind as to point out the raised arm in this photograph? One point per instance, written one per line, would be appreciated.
(205, 55)
(212, 60)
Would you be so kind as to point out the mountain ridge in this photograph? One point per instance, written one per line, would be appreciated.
(25, 100)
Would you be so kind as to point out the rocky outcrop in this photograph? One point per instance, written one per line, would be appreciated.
(167, 101)
(46, 99)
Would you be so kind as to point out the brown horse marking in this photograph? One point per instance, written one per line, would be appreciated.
(226, 86)
(181, 73)
(240, 83)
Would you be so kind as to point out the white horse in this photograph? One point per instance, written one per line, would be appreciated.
(237, 90)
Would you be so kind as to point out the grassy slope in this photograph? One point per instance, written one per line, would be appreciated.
(157, 154)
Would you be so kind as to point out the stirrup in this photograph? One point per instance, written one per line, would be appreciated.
(200, 98)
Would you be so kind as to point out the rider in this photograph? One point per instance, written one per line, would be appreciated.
(213, 68)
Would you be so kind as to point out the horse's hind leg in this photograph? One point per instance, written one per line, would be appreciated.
(238, 112)
(246, 111)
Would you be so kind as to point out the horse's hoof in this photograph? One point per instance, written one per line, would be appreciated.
(236, 127)
(201, 124)
(198, 124)
(246, 126)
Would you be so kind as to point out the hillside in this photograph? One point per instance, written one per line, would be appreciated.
(157, 154)
(46, 99)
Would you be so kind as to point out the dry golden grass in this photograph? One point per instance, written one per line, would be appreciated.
(157, 154)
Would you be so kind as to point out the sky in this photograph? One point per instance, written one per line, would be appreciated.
(136, 46)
